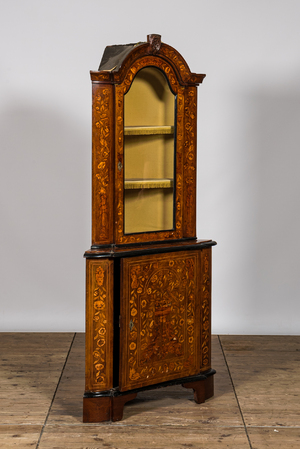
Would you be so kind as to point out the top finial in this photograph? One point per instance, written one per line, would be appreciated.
(154, 41)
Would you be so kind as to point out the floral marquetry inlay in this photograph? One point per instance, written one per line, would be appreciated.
(102, 144)
(205, 306)
(161, 324)
(190, 117)
(99, 308)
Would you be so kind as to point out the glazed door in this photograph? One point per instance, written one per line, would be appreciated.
(149, 109)
(160, 318)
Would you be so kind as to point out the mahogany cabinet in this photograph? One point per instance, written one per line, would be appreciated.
(148, 278)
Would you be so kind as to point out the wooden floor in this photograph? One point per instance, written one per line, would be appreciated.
(256, 403)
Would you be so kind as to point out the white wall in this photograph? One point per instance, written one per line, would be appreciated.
(248, 145)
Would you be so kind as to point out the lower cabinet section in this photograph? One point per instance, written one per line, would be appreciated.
(148, 324)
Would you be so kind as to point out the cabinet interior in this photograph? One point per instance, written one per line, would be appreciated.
(149, 147)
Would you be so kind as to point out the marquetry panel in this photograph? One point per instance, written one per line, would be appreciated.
(99, 329)
(102, 164)
(189, 171)
(205, 290)
(177, 60)
(160, 316)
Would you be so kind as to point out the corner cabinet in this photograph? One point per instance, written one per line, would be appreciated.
(148, 278)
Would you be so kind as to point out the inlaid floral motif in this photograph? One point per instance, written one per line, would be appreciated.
(206, 299)
(178, 60)
(163, 342)
(190, 111)
(100, 323)
(102, 137)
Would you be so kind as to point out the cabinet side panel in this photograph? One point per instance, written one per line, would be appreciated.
(205, 291)
(102, 164)
(99, 325)
(190, 146)
(119, 163)
(125, 299)
(179, 199)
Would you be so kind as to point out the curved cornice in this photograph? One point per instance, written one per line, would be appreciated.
(163, 51)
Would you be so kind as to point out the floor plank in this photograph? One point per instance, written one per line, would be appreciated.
(141, 437)
(30, 367)
(266, 377)
(279, 438)
(67, 405)
(23, 437)
(253, 344)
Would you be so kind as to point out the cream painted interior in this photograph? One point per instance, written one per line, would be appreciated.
(149, 153)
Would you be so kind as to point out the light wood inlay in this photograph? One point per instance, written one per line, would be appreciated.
(99, 316)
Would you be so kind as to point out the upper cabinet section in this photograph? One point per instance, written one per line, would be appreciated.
(144, 145)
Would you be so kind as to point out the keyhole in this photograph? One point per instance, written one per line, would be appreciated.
(131, 325)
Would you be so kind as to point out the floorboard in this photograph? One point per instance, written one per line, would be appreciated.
(266, 377)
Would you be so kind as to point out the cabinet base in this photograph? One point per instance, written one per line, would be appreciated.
(203, 389)
(103, 408)
(109, 405)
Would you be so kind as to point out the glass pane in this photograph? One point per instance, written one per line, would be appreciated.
(149, 133)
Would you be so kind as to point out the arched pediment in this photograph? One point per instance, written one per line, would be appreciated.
(117, 60)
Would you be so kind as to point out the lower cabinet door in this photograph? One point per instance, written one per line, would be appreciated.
(161, 335)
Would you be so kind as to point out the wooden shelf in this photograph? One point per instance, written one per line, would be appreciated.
(164, 183)
(148, 130)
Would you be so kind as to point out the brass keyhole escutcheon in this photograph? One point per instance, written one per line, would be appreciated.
(131, 325)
